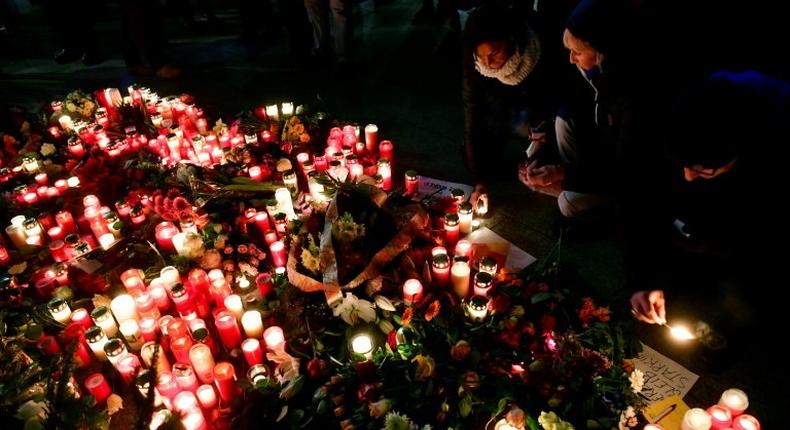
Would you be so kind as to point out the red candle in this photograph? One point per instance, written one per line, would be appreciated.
(159, 294)
(180, 347)
(256, 173)
(66, 222)
(451, 229)
(274, 338)
(279, 256)
(440, 270)
(320, 162)
(356, 170)
(61, 185)
(219, 290)
(264, 283)
(49, 346)
(228, 329)
(41, 179)
(4, 257)
(262, 221)
(252, 351)
(270, 237)
(464, 249)
(127, 366)
(225, 378)
(148, 327)
(385, 149)
(164, 233)
(98, 387)
(371, 137)
(82, 317)
(720, 417)
(167, 386)
(411, 182)
(412, 291)
(30, 197)
(745, 422)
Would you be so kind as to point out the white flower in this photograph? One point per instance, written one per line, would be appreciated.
(352, 309)
(311, 262)
(47, 149)
(31, 409)
(386, 326)
(384, 303)
(550, 421)
(396, 421)
(637, 379)
(625, 416)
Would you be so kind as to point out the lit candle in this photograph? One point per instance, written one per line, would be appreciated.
(185, 378)
(696, 419)
(411, 181)
(465, 249)
(98, 387)
(228, 329)
(386, 149)
(66, 221)
(165, 231)
(56, 233)
(745, 422)
(148, 327)
(202, 362)
(465, 217)
(123, 308)
(272, 113)
(60, 310)
(5, 258)
(167, 387)
(159, 294)
(735, 400)
(131, 332)
(73, 182)
(356, 170)
(451, 229)
(460, 278)
(41, 179)
(96, 340)
(104, 319)
(288, 109)
(279, 256)
(82, 317)
(65, 122)
(253, 324)
(169, 277)
(371, 137)
(362, 344)
(256, 373)
(114, 349)
(477, 308)
(488, 265)
(207, 396)
(225, 380)
(185, 401)
(412, 292)
(17, 235)
(256, 173)
(274, 338)
(252, 351)
(262, 221)
(180, 346)
(147, 354)
(440, 270)
(385, 170)
(290, 181)
(284, 202)
(720, 417)
(107, 240)
(234, 305)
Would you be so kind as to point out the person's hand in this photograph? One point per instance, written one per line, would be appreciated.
(480, 191)
(524, 170)
(537, 140)
(649, 306)
(545, 175)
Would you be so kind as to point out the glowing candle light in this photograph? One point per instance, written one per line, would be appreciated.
(412, 292)
(60, 310)
(104, 319)
(124, 308)
(207, 396)
(696, 419)
(131, 332)
(202, 362)
(680, 332)
(371, 137)
(228, 329)
(274, 338)
(279, 256)
(164, 233)
(234, 305)
(721, 418)
(483, 282)
(225, 380)
(477, 308)
(253, 352)
(460, 278)
(185, 378)
(735, 400)
(745, 422)
(440, 269)
(488, 265)
(96, 340)
(98, 387)
(253, 324)
(451, 229)
(284, 202)
(257, 373)
(362, 344)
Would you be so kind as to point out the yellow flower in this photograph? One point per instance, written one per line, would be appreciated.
(425, 367)
(114, 403)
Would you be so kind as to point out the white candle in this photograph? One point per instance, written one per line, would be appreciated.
(65, 122)
(253, 324)
(234, 305)
(284, 202)
(477, 308)
(362, 344)
(103, 318)
(696, 419)
(169, 277)
(271, 112)
(202, 362)
(460, 278)
(17, 235)
(735, 400)
(60, 310)
(288, 109)
(131, 332)
(18, 220)
(274, 338)
(207, 397)
(96, 340)
(465, 217)
(106, 240)
(123, 308)
(73, 182)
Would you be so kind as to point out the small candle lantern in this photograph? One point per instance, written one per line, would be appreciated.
(465, 217)
(96, 340)
(735, 400)
(203, 362)
(362, 344)
(60, 310)
(488, 265)
(745, 422)
(451, 229)
(721, 418)
(460, 278)
(253, 324)
(412, 291)
(440, 270)
(274, 338)
(104, 319)
(477, 308)
(371, 137)
(483, 282)
(253, 352)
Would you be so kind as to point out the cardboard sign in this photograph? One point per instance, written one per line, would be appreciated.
(434, 192)
(667, 413)
(663, 377)
(487, 243)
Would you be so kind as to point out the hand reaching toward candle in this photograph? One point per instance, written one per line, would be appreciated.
(480, 191)
(649, 306)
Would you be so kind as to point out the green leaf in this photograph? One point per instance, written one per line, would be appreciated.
(532, 423)
(283, 413)
(465, 406)
(296, 416)
(540, 297)
(322, 407)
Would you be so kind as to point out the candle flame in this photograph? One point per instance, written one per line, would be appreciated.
(680, 332)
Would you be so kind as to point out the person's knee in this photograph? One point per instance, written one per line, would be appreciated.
(567, 209)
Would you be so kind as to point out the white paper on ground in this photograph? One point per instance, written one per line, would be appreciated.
(515, 257)
(663, 376)
(431, 190)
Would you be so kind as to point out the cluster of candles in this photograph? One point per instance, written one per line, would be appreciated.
(728, 414)
(182, 318)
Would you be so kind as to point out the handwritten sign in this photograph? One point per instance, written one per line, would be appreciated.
(663, 377)
(433, 192)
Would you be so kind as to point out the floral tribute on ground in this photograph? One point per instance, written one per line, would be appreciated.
(165, 266)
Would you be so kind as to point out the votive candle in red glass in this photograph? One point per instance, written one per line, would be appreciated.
(180, 347)
(225, 379)
(412, 291)
(228, 329)
(253, 352)
(279, 255)
(164, 233)
(98, 387)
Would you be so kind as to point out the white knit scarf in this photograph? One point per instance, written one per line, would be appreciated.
(518, 66)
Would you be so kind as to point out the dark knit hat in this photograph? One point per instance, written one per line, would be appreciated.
(598, 22)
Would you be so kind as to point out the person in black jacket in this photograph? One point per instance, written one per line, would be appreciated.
(507, 73)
